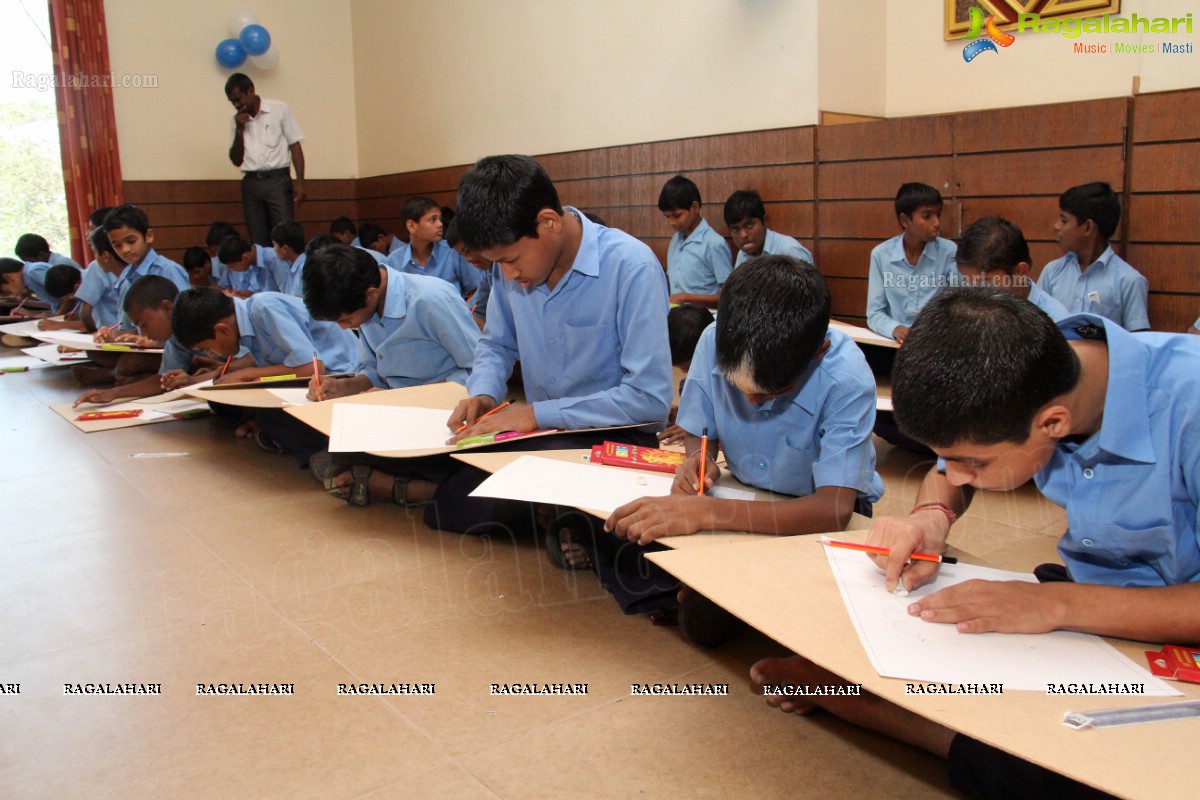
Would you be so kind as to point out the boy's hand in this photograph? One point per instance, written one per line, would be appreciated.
(130, 337)
(649, 518)
(104, 335)
(514, 418)
(94, 396)
(672, 435)
(687, 477)
(237, 376)
(1002, 606)
(469, 410)
(900, 333)
(177, 379)
(332, 388)
(925, 530)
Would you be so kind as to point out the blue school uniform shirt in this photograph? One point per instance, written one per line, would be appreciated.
(59, 258)
(424, 335)
(776, 244)
(218, 270)
(1132, 490)
(1109, 287)
(396, 244)
(276, 329)
(152, 264)
(1054, 309)
(289, 275)
(594, 349)
(34, 277)
(479, 300)
(700, 263)
(375, 254)
(819, 434)
(176, 356)
(897, 291)
(260, 276)
(96, 290)
(444, 262)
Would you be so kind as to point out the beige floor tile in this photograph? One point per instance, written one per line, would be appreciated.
(444, 783)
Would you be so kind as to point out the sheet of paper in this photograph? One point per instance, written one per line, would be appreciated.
(863, 335)
(25, 328)
(903, 646)
(360, 428)
(21, 363)
(591, 486)
(730, 493)
(178, 394)
(297, 397)
(50, 353)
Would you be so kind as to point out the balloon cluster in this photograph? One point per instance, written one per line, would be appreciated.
(249, 40)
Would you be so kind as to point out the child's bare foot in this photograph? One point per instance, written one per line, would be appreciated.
(247, 430)
(792, 671)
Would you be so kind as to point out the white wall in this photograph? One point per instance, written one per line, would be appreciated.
(852, 61)
(446, 82)
(180, 130)
(926, 75)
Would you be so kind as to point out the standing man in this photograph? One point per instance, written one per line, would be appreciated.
(266, 141)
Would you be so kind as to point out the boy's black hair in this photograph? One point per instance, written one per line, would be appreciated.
(96, 218)
(744, 204)
(1095, 201)
(685, 323)
(368, 232)
(232, 248)
(499, 201)
(30, 246)
(127, 216)
(317, 243)
(149, 291)
(448, 215)
(343, 225)
(771, 320)
(993, 243)
(336, 280)
(450, 234)
(100, 242)
(196, 314)
(217, 231)
(976, 366)
(195, 258)
(678, 194)
(9, 265)
(290, 234)
(414, 208)
(912, 196)
(61, 280)
(239, 81)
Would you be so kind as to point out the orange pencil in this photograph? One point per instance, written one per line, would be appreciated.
(500, 407)
(884, 551)
(703, 459)
(228, 361)
(316, 375)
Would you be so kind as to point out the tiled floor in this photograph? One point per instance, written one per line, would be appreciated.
(229, 565)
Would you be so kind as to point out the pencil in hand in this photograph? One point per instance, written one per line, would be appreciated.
(885, 551)
(703, 459)
(500, 407)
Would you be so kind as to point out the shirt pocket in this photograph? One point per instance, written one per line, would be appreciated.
(588, 347)
(1117, 546)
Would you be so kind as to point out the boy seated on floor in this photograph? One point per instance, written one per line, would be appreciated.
(249, 268)
(148, 304)
(993, 252)
(685, 324)
(790, 402)
(53, 285)
(1104, 421)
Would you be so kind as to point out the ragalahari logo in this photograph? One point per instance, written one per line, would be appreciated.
(992, 36)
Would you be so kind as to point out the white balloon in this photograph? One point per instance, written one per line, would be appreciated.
(241, 19)
(267, 60)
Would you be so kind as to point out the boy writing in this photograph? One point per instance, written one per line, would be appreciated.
(249, 268)
(287, 239)
(908, 269)
(35, 279)
(217, 232)
(427, 253)
(994, 252)
(746, 218)
(685, 325)
(198, 267)
(698, 260)
(1105, 423)
(344, 230)
(132, 240)
(1108, 286)
(32, 248)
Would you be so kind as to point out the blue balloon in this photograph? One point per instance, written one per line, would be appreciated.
(255, 39)
(230, 54)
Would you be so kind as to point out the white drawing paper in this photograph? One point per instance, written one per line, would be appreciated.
(358, 428)
(592, 486)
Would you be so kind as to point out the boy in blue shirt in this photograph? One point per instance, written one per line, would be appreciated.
(1108, 286)
(132, 239)
(427, 253)
(217, 231)
(908, 269)
(249, 268)
(993, 252)
(789, 402)
(746, 218)
(698, 260)
(345, 231)
(379, 240)
(33, 278)
(287, 240)
(1105, 422)
(32, 248)
(198, 267)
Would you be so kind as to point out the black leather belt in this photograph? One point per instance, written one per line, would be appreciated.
(265, 173)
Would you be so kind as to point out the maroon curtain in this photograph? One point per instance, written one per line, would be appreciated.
(87, 124)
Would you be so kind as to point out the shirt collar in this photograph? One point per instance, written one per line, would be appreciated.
(1125, 430)
(241, 314)
(587, 260)
(698, 233)
(896, 254)
(395, 303)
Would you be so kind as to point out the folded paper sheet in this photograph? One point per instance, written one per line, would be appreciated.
(362, 428)
(591, 486)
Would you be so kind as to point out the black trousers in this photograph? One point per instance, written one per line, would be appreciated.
(266, 201)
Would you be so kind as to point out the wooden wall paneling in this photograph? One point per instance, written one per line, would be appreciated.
(1168, 267)
(886, 139)
(1167, 167)
(848, 296)
(1081, 124)
(877, 180)
(1035, 216)
(1047, 172)
(1167, 116)
(1164, 218)
(874, 220)
(844, 258)
(1173, 313)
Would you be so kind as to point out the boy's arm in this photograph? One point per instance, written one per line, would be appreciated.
(1135, 315)
(453, 327)
(145, 387)
(299, 192)
(706, 300)
(877, 307)
(497, 349)
(1150, 614)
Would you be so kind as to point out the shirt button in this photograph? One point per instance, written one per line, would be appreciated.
(549, 341)
(1088, 473)
(553, 380)
(1078, 301)
(1087, 543)
(764, 413)
(761, 464)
